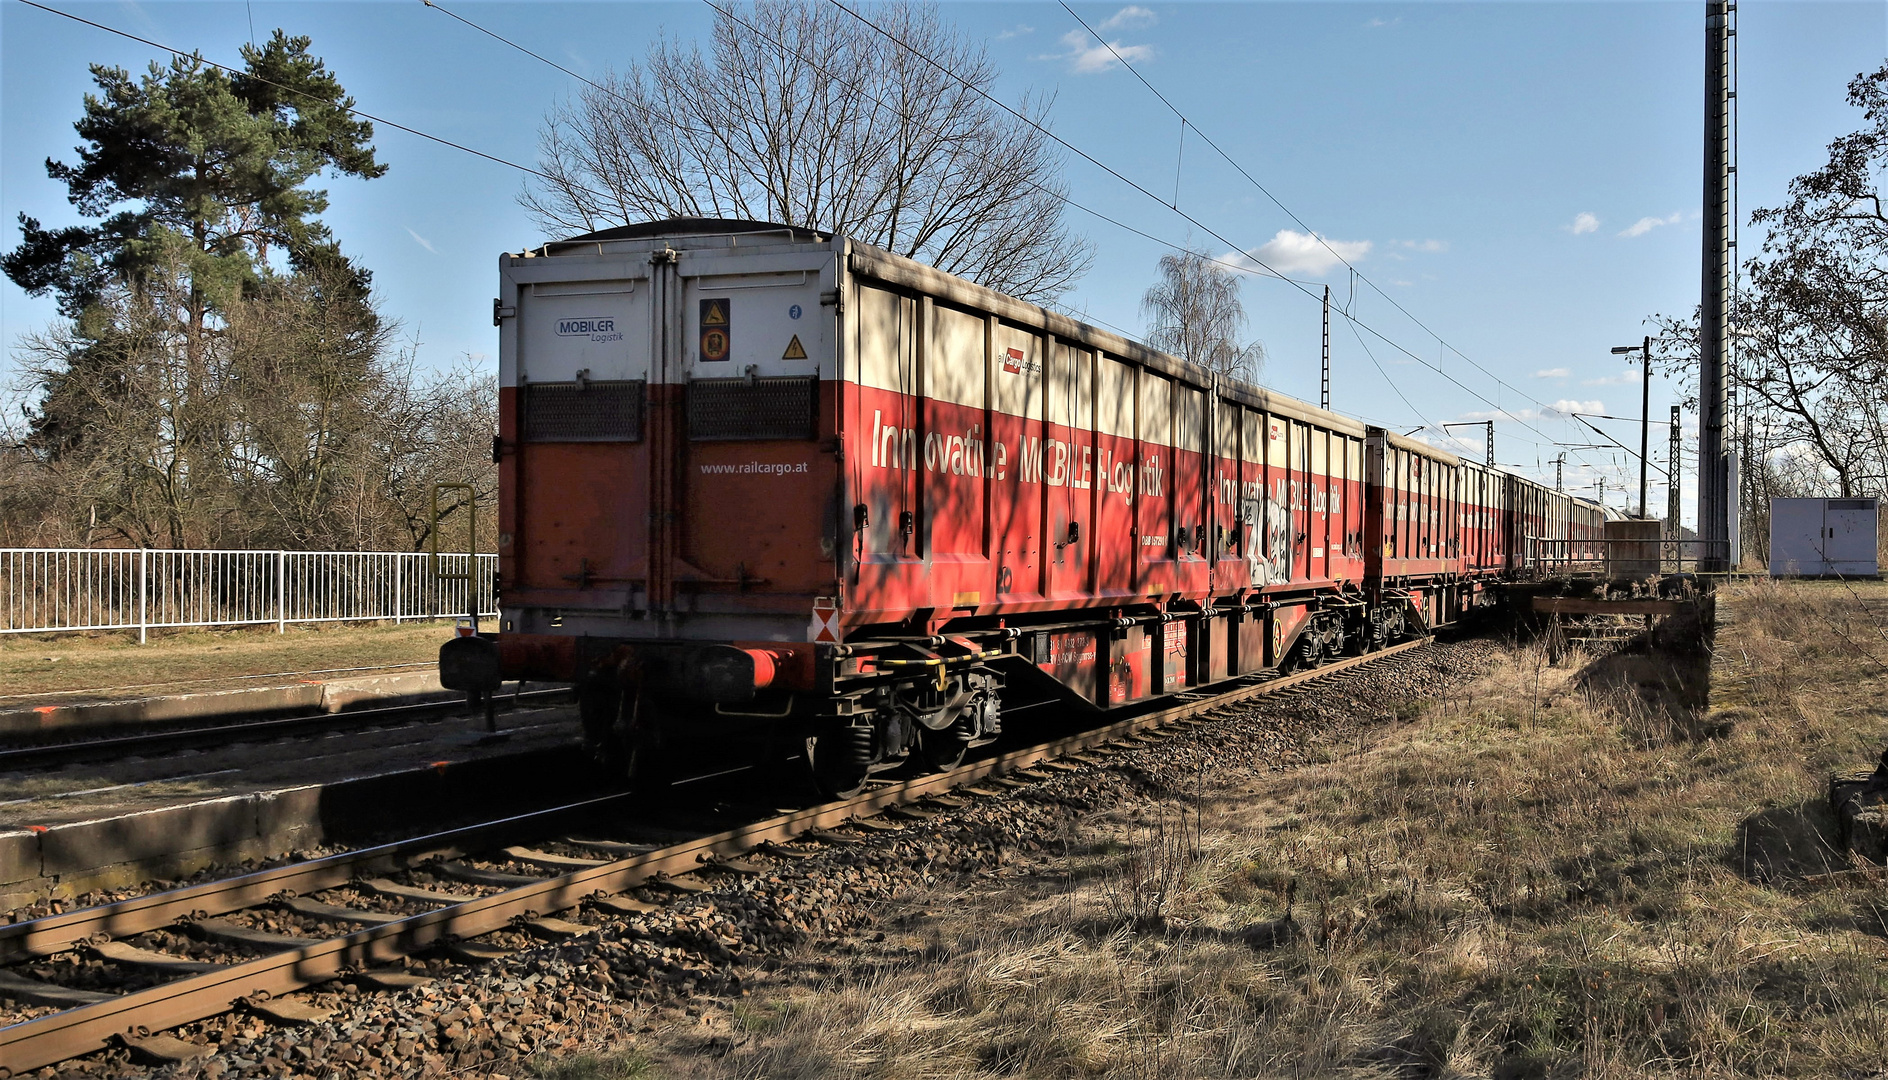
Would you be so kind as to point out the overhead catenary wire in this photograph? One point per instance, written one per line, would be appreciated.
(592, 83)
(1091, 159)
(350, 110)
(1356, 274)
(1268, 271)
(408, 129)
(1064, 198)
(1420, 415)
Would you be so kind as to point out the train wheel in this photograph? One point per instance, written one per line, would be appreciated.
(942, 751)
(834, 761)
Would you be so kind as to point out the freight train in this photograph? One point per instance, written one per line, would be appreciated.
(763, 488)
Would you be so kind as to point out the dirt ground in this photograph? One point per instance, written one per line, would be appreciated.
(40, 668)
(1583, 868)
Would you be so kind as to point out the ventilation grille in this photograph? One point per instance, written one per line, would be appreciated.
(775, 407)
(586, 412)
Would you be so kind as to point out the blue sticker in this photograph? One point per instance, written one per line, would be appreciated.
(794, 311)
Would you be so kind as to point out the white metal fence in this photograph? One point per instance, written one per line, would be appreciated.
(43, 590)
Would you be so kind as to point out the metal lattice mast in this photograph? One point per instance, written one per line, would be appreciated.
(1324, 387)
(1714, 494)
(1671, 476)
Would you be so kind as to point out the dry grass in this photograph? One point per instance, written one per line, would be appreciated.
(184, 660)
(1570, 869)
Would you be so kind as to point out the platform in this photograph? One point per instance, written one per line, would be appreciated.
(112, 825)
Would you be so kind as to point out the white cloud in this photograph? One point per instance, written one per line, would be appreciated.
(1015, 31)
(1290, 252)
(1583, 222)
(1376, 24)
(1624, 378)
(1087, 56)
(1647, 224)
(1129, 18)
(421, 240)
(1567, 407)
(1429, 246)
(1552, 373)
(1559, 410)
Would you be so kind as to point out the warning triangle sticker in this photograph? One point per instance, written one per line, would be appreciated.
(795, 351)
(716, 315)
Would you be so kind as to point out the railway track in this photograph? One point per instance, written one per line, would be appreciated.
(203, 736)
(472, 901)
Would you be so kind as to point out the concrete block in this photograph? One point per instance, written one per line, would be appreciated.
(216, 829)
(367, 807)
(38, 723)
(338, 694)
(65, 860)
(290, 818)
(19, 856)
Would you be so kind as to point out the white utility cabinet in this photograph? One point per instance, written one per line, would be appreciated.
(1823, 537)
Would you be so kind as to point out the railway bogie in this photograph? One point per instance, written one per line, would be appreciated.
(764, 488)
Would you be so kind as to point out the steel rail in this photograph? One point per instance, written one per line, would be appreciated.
(29, 757)
(125, 918)
(60, 1036)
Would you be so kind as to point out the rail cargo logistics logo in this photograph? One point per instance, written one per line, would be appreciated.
(594, 329)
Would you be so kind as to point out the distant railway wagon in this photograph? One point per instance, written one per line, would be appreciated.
(764, 487)
(1443, 528)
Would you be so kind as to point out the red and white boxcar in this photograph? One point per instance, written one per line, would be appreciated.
(755, 478)
(762, 484)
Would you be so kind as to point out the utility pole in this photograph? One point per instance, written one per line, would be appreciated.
(1645, 411)
(1714, 494)
(1324, 390)
(1645, 417)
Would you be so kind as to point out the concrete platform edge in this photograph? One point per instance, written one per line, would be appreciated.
(62, 861)
(26, 724)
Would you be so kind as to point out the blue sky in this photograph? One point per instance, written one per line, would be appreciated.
(1522, 177)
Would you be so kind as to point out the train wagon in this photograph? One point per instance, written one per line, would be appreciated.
(1551, 532)
(760, 485)
(1414, 563)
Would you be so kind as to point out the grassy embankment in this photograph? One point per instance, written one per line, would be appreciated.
(1572, 869)
(185, 660)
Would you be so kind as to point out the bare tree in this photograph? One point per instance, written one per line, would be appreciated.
(1194, 312)
(801, 114)
(1812, 349)
(301, 423)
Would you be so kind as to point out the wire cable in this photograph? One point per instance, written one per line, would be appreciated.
(592, 83)
(1090, 158)
(1268, 271)
(1065, 199)
(363, 114)
(1187, 122)
(1427, 423)
(350, 110)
